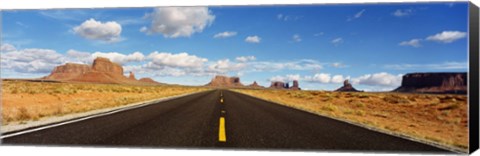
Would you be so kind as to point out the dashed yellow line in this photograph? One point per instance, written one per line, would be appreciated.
(221, 100)
(222, 137)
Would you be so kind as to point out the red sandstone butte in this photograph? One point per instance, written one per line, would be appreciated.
(449, 83)
(101, 71)
(225, 81)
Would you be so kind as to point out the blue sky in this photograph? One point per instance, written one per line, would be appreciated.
(372, 45)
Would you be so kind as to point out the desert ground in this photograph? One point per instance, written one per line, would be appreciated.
(440, 119)
(24, 101)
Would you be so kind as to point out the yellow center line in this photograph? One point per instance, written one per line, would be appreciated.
(221, 132)
(221, 100)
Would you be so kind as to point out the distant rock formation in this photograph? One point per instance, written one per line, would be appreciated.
(347, 87)
(277, 85)
(452, 83)
(295, 85)
(102, 71)
(68, 71)
(148, 80)
(101, 64)
(131, 76)
(224, 81)
(284, 85)
(255, 85)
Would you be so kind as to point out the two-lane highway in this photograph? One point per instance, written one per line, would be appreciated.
(218, 118)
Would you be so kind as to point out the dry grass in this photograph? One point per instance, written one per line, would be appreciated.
(23, 101)
(436, 118)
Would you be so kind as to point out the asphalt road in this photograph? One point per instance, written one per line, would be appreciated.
(195, 121)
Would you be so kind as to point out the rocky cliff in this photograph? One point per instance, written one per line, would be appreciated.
(347, 87)
(455, 83)
(102, 71)
(225, 81)
(104, 65)
(68, 71)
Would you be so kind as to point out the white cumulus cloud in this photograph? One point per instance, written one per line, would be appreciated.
(225, 34)
(120, 58)
(183, 60)
(337, 79)
(378, 79)
(245, 58)
(175, 22)
(338, 65)
(224, 66)
(7, 47)
(96, 30)
(31, 60)
(319, 77)
(287, 78)
(253, 39)
(447, 36)
(79, 56)
(413, 42)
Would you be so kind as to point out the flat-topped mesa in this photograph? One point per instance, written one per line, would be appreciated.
(68, 71)
(347, 87)
(284, 85)
(225, 81)
(102, 71)
(101, 64)
(455, 83)
(131, 76)
(277, 85)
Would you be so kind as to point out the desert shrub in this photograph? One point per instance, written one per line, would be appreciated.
(461, 98)
(449, 107)
(14, 91)
(391, 128)
(360, 112)
(329, 107)
(396, 99)
(447, 99)
(314, 93)
(23, 114)
(359, 104)
(348, 95)
(300, 95)
(381, 114)
(413, 98)
(338, 95)
(325, 99)
(348, 112)
(362, 96)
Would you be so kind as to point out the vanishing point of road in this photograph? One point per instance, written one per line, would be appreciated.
(219, 119)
